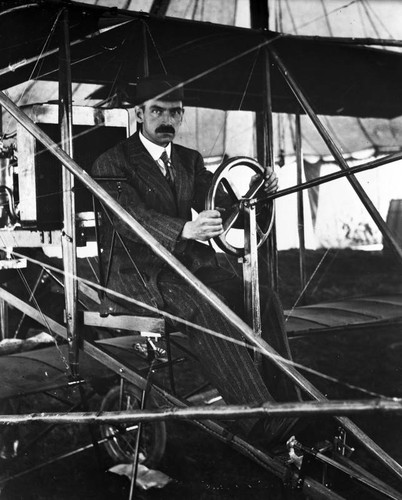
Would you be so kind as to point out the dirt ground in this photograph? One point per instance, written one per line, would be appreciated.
(203, 468)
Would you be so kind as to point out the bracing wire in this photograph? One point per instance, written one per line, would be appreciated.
(246, 86)
(304, 137)
(327, 14)
(29, 85)
(329, 264)
(188, 7)
(368, 8)
(326, 17)
(320, 263)
(202, 9)
(195, 9)
(362, 20)
(303, 291)
(235, 14)
(130, 257)
(40, 60)
(44, 319)
(155, 47)
(292, 19)
(279, 16)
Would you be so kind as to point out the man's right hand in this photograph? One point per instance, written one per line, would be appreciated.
(207, 225)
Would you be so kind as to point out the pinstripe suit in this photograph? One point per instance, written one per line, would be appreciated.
(146, 195)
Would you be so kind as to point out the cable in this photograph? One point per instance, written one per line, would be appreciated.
(306, 286)
(367, 6)
(326, 17)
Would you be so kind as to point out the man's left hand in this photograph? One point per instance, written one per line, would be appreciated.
(270, 183)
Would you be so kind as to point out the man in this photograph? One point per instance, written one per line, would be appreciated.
(158, 183)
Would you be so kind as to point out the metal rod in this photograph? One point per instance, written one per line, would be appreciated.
(189, 278)
(251, 281)
(373, 483)
(267, 410)
(386, 42)
(68, 241)
(300, 208)
(336, 152)
(363, 472)
(271, 246)
(3, 320)
(145, 55)
(379, 162)
(259, 16)
(30, 298)
(136, 453)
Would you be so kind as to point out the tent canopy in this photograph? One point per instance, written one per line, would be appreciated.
(222, 66)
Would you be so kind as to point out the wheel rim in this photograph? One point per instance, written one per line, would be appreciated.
(120, 440)
(238, 192)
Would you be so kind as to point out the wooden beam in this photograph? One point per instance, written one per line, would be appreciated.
(268, 410)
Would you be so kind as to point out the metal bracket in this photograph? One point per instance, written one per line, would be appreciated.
(340, 445)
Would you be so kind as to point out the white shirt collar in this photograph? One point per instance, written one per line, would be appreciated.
(154, 149)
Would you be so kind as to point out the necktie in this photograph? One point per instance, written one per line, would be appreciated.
(169, 168)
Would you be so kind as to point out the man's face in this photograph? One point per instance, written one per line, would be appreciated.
(160, 120)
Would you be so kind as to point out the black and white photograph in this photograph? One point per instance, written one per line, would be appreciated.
(200, 249)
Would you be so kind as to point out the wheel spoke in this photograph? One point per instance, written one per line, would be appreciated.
(231, 189)
(231, 219)
(254, 188)
(128, 444)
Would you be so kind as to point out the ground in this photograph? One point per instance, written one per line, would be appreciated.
(201, 467)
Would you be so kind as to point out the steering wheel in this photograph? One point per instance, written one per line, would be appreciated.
(234, 180)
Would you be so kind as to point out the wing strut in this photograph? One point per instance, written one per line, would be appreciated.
(68, 238)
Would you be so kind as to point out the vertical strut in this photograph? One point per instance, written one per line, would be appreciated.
(68, 240)
(250, 277)
(270, 161)
(259, 14)
(300, 207)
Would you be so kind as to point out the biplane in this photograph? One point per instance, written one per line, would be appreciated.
(49, 220)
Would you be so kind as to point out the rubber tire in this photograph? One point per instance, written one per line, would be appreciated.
(153, 438)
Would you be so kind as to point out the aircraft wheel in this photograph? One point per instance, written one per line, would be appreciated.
(121, 446)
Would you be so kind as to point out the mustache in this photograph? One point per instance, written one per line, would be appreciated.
(168, 129)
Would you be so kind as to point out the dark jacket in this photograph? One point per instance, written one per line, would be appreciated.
(147, 196)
